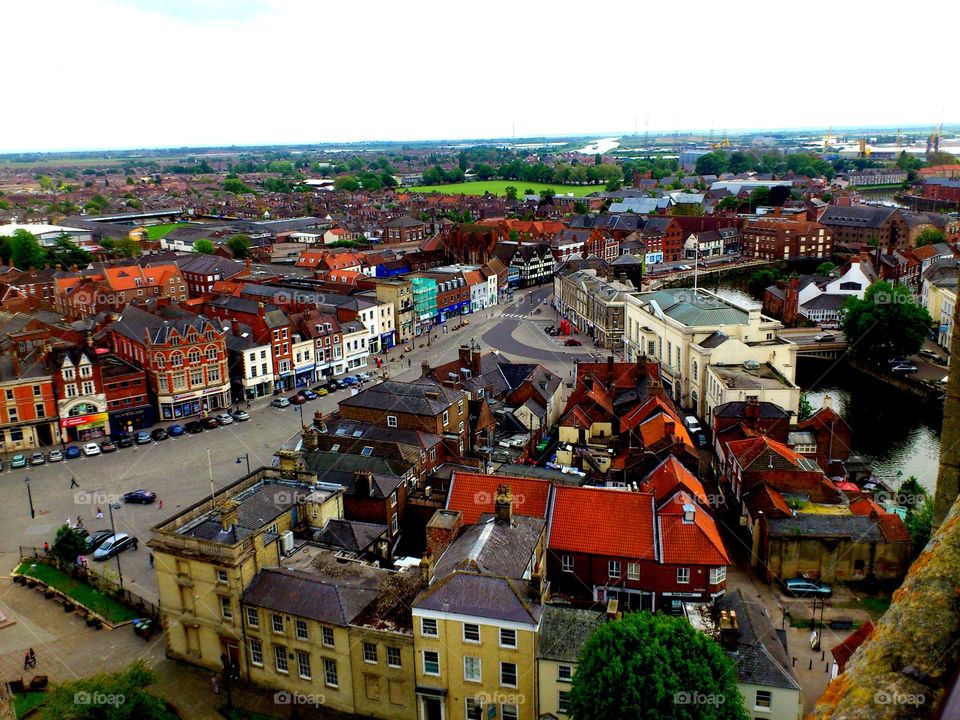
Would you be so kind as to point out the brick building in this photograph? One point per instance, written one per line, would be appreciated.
(782, 238)
(78, 386)
(28, 413)
(864, 224)
(113, 288)
(404, 229)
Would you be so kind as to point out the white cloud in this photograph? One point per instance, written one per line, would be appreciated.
(139, 73)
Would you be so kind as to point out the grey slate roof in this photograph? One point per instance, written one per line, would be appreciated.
(868, 216)
(493, 548)
(411, 398)
(336, 601)
(761, 657)
(738, 409)
(350, 535)
(133, 322)
(483, 596)
(811, 525)
(564, 631)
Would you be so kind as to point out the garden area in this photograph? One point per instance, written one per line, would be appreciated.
(113, 611)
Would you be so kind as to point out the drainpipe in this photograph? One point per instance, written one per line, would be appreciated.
(948, 477)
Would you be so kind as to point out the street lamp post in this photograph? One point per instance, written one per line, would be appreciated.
(245, 456)
(30, 498)
(117, 556)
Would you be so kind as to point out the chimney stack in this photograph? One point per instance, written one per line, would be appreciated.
(475, 360)
(235, 327)
(669, 428)
(827, 402)
(588, 381)
(442, 529)
(228, 515)
(362, 483)
(729, 630)
(463, 352)
(503, 505)
(424, 368)
(426, 568)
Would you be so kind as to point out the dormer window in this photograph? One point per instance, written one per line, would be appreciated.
(689, 512)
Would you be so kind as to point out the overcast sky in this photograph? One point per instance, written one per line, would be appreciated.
(105, 74)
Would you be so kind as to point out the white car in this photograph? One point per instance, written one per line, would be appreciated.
(91, 449)
(224, 419)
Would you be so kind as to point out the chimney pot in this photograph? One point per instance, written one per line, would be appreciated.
(503, 505)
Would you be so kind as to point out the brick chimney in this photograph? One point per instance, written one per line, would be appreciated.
(426, 567)
(588, 381)
(261, 311)
(442, 529)
(669, 428)
(235, 327)
(228, 515)
(424, 368)
(463, 353)
(362, 483)
(729, 630)
(503, 505)
(475, 360)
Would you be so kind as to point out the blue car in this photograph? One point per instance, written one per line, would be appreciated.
(18, 461)
(351, 380)
(71, 452)
(142, 438)
(175, 430)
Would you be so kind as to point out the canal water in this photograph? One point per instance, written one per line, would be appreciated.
(892, 430)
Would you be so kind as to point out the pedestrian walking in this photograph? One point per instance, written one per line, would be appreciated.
(69, 523)
(73, 482)
(46, 548)
(409, 363)
(161, 504)
(214, 685)
(99, 513)
(151, 559)
(79, 522)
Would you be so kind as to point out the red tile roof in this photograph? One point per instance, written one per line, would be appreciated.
(598, 521)
(865, 506)
(893, 528)
(691, 543)
(844, 651)
(669, 477)
(473, 495)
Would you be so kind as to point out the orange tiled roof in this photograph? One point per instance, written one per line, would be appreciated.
(670, 475)
(473, 494)
(131, 277)
(696, 542)
(598, 521)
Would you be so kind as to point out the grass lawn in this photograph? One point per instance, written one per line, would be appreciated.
(156, 232)
(874, 606)
(497, 188)
(85, 595)
(25, 703)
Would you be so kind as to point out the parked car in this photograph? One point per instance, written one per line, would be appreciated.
(143, 438)
(225, 419)
(308, 394)
(280, 402)
(115, 545)
(159, 434)
(123, 441)
(693, 425)
(193, 427)
(18, 461)
(97, 538)
(905, 369)
(175, 430)
(55, 456)
(240, 415)
(364, 376)
(321, 391)
(824, 337)
(209, 423)
(38, 459)
(350, 380)
(572, 342)
(297, 399)
(108, 446)
(91, 449)
(144, 497)
(930, 355)
(72, 452)
(332, 386)
(801, 587)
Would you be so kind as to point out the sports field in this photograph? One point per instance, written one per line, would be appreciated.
(497, 188)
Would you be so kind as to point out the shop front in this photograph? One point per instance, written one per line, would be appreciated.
(305, 375)
(387, 340)
(196, 403)
(83, 423)
(129, 420)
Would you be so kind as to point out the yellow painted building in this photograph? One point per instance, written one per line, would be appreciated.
(476, 625)
(563, 633)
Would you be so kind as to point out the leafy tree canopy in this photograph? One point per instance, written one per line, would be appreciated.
(68, 545)
(204, 246)
(654, 667)
(114, 696)
(25, 251)
(930, 236)
(239, 245)
(887, 323)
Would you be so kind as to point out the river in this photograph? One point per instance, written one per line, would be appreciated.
(892, 430)
(600, 146)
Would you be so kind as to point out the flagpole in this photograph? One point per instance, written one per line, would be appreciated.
(696, 264)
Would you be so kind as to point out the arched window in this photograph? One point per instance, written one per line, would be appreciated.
(194, 356)
(211, 354)
(160, 362)
(696, 370)
(694, 401)
(176, 360)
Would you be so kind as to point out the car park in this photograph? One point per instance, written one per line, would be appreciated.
(72, 452)
(240, 415)
(18, 461)
(572, 342)
(159, 434)
(280, 402)
(144, 497)
(905, 369)
(209, 423)
(143, 438)
(124, 441)
(91, 449)
(55, 456)
(225, 419)
(108, 446)
(97, 538)
(297, 399)
(803, 588)
(193, 427)
(38, 459)
(115, 545)
(824, 337)
(175, 430)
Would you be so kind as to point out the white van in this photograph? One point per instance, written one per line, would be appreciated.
(693, 425)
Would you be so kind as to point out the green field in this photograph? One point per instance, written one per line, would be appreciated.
(115, 612)
(497, 188)
(156, 232)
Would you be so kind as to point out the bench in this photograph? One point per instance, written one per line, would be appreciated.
(841, 624)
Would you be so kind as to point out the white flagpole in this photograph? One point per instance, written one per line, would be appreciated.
(696, 263)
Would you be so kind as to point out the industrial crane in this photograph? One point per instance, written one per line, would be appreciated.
(933, 142)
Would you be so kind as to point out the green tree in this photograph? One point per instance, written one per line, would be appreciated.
(114, 696)
(919, 522)
(654, 667)
(66, 254)
(204, 246)
(713, 163)
(25, 251)
(510, 192)
(909, 163)
(805, 408)
(5, 249)
(347, 182)
(760, 196)
(887, 323)
(122, 247)
(239, 245)
(941, 158)
(236, 185)
(760, 280)
(387, 180)
(580, 207)
(825, 268)
(930, 236)
(739, 162)
(614, 185)
(729, 203)
(46, 182)
(68, 545)
(911, 493)
(484, 171)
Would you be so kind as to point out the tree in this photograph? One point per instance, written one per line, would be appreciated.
(919, 524)
(930, 236)
(5, 249)
(911, 493)
(760, 280)
(941, 158)
(887, 323)
(349, 183)
(66, 254)
(729, 203)
(909, 163)
(510, 192)
(239, 245)
(805, 408)
(760, 196)
(203, 246)
(236, 185)
(614, 185)
(122, 247)
(25, 251)
(739, 162)
(484, 171)
(68, 545)
(825, 268)
(580, 207)
(113, 696)
(46, 182)
(654, 667)
(713, 163)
